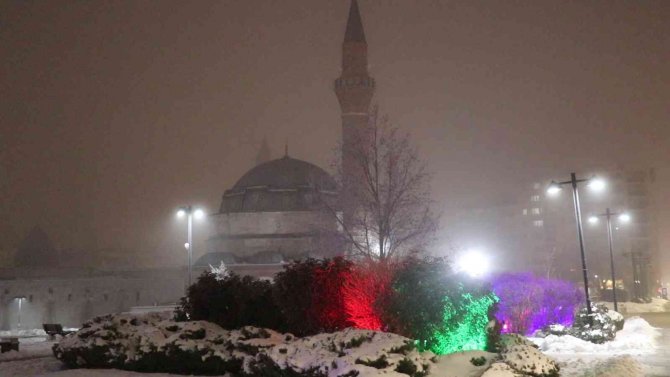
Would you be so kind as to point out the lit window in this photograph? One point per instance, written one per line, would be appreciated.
(538, 223)
(536, 186)
(535, 211)
(535, 198)
(525, 211)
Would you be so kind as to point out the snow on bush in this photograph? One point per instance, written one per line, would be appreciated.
(501, 369)
(154, 343)
(598, 327)
(530, 361)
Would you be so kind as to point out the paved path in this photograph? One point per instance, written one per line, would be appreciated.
(659, 362)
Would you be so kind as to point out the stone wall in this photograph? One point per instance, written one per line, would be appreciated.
(72, 300)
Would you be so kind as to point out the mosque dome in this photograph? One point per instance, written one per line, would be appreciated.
(284, 184)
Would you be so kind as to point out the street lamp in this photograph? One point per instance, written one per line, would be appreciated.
(596, 185)
(623, 217)
(190, 212)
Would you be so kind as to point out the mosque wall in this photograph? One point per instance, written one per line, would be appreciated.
(70, 300)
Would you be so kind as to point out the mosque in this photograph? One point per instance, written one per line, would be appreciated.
(273, 214)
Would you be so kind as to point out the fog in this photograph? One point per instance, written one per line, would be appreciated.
(113, 114)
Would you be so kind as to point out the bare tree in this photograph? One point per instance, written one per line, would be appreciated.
(385, 207)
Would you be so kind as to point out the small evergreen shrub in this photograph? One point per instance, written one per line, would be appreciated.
(231, 302)
(308, 293)
(379, 363)
(597, 328)
(478, 361)
(406, 366)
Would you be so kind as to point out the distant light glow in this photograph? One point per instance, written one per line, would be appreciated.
(593, 220)
(597, 184)
(186, 245)
(199, 214)
(181, 213)
(554, 188)
(473, 263)
(624, 217)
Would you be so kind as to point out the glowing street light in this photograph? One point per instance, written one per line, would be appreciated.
(624, 218)
(554, 188)
(473, 263)
(593, 220)
(596, 185)
(191, 213)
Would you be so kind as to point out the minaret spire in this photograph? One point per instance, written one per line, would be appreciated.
(354, 89)
(354, 32)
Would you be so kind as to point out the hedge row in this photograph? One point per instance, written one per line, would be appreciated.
(422, 299)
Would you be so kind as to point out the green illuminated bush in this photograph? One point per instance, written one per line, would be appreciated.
(443, 311)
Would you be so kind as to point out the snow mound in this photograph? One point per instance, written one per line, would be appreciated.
(501, 370)
(153, 342)
(637, 337)
(529, 360)
(460, 364)
(509, 340)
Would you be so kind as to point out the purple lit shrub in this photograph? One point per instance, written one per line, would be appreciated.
(529, 303)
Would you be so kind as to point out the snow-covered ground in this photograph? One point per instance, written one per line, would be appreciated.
(22, 333)
(657, 305)
(638, 350)
(630, 354)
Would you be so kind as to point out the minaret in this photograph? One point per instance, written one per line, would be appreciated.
(354, 88)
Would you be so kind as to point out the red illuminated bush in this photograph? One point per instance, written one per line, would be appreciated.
(309, 295)
(364, 292)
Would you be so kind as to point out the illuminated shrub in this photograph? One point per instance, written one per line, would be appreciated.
(364, 293)
(529, 303)
(230, 302)
(309, 295)
(444, 312)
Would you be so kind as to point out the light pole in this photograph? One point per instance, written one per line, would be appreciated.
(190, 212)
(595, 184)
(623, 217)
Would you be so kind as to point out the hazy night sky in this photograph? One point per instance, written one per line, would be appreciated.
(114, 113)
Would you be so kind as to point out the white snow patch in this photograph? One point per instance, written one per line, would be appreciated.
(459, 364)
(637, 337)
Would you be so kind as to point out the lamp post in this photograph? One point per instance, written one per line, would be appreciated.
(190, 212)
(595, 184)
(623, 217)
